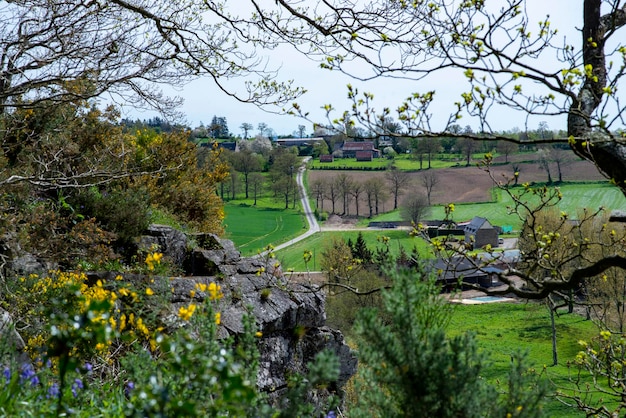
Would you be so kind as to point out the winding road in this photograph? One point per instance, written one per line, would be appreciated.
(314, 226)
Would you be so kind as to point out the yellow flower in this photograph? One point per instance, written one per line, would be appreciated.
(258, 334)
(186, 312)
(215, 291)
(149, 291)
(218, 318)
(152, 259)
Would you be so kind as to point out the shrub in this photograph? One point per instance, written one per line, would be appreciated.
(411, 368)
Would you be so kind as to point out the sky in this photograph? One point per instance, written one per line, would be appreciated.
(203, 100)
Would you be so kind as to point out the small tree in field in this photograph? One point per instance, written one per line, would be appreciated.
(415, 207)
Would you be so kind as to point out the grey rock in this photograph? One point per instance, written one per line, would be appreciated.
(170, 241)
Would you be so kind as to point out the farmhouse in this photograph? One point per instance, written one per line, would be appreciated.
(481, 233)
(459, 270)
(365, 149)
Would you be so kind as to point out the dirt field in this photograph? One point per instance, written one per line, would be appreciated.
(462, 184)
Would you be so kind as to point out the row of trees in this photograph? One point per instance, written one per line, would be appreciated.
(272, 170)
(345, 190)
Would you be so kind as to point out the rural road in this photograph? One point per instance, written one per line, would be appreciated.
(314, 226)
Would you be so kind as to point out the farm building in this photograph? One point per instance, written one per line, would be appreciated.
(481, 233)
(364, 155)
(456, 270)
(326, 158)
(298, 142)
(349, 149)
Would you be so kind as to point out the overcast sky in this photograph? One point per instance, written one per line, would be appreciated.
(203, 100)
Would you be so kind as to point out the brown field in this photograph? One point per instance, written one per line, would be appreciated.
(463, 184)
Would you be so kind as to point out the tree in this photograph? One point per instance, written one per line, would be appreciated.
(102, 48)
(506, 148)
(219, 128)
(344, 185)
(256, 183)
(398, 181)
(246, 128)
(544, 161)
(357, 192)
(429, 180)
(301, 131)
(245, 162)
(332, 194)
(318, 188)
(283, 167)
(430, 146)
(562, 157)
(467, 146)
(263, 129)
(414, 208)
(374, 188)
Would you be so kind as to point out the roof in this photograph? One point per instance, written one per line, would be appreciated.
(298, 141)
(358, 146)
(478, 223)
(456, 267)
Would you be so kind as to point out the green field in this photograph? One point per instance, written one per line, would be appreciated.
(252, 228)
(402, 162)
(504, 328)
(575, 196)
(291, 257)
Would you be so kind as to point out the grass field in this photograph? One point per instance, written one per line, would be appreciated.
(252, 228)
(575, 197)
(403, 162)
(291, 257)
(504, 328)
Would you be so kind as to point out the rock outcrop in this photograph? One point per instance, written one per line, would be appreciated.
(290, 316)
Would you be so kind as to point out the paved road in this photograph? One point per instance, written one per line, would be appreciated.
(314, 226)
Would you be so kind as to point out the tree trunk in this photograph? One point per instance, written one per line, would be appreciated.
(555, 359)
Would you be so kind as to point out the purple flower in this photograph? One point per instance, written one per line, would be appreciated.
(53, 391)
(7, 374)
(27, 373)
(76, 386)
(331, 414)
(88, 367)
(128, 387)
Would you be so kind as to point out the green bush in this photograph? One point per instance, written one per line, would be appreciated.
(410, 367)
(122, 211)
